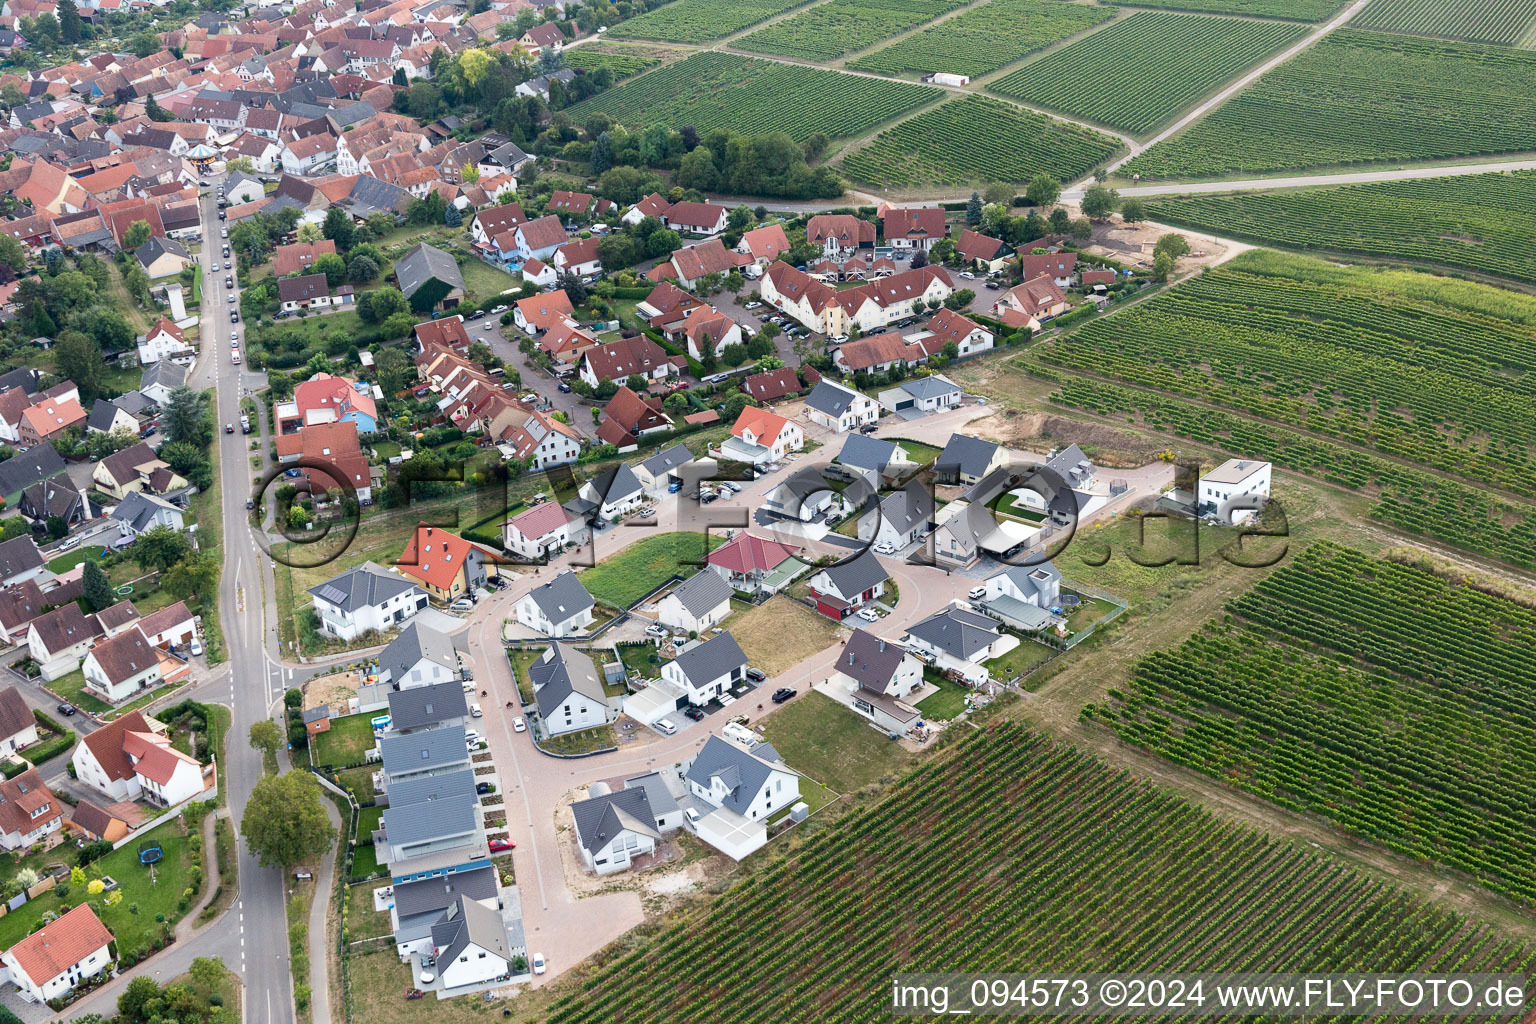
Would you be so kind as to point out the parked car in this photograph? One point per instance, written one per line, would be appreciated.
(463, 604)
(229, 428)
(538, 963)
(66, 709)
(565, 388)
(697, 714)
(482, 788)
(196, 647)
(501, 846)
(666, 726)
(977, 593)
(693, 818)
(869, 615)
(885, 548)
(497, 310)
(234, 316)
(752, 305)
(674, 486)
(869, 428)
(475, 710)
(250, 502)
(967, 275)
(782, 694)
(518, 725)
(656, 629)
(646, 513)
(757, 675)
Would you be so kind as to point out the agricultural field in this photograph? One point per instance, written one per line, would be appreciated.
(1102, 871)
(712, 90)
(1360, 98)
(974, 140)
(1406, 499)
(1503, 22)
(1483, 223)
(1434, 372)
(828, 30)
(1136, 74)
(985, 38)
(1293, 10)
(1398, 704)
(623, 61)
(698, 21)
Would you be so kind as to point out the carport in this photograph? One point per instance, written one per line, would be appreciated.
(731, 834)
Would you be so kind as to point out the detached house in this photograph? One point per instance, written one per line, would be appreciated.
(745, 788)
(418, 657)
(879, 676)
(1031, 304)
(840, 408)
(58, 640)
(699, 602)
(754, 565)
(543, 531)
(914, 229)
(165, 341)
(841, 235)
(657, 473)
(697, 218)
(57, 957)
(764, 244)
(1060, 267)
(709, 331)
(842, 589)
(122, 666)
(627, 417)
(18, 726)
(1022, 595)
(132, 759)
(901, 518)
(613, 492)
(365, 599)
(542, 37)
(709, 670)
(965, 460)
(562, 607)
(614, 829)
(982, 251)
(760, 436)
(135, 469)
(445, 566)
(628, 357)
(579, 257)
(960, 641)
(568, 691)
(28, 812)
(538, 239)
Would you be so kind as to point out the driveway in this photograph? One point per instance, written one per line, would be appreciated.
(503, 342)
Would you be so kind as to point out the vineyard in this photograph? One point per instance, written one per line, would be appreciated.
(1482, 222)
(1410, 500)
(1356, 355)
(974, 140)
(712, 90)
(1138, 73)
(698, 21)
(984, 39)
(1362, 98)
(624, 62)
(1504, 22)
(1379, 695)
(1011, 854)
(831, 29)
(1293, 10)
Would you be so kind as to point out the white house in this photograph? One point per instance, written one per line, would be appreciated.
(708, 670)
(165, 341)
(923, 394)
(471, 944)
(840, 408)
(28, 811)
(579, 257)
(878, 676)
(803, 496)
(874, 460)
(18, 726)
(132, 758)
(122, 666)
(960, 641)
(58, 640)
(542, 531)
(419, 656)
(60, 955)
(1023, 594)
(699, 602)
(1234, 490)
(562, 607)
(615, 828)
(140, 512)
(760, 436)
(901, 518)
(365, 599)
(749, 783)
(171, 626)
(613, 492)
(840, 590)
(568, 691)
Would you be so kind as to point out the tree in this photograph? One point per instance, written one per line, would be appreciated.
(134, 1003)
(193, 577)
(338, 228)
(362, 269)
(601, 157)
(155, 112)
(573, 288)
(57, 527)
(973, 209)
(697, 170)
(187, 418)
(452, 217)
(999, 192)
(1081, 229)
(1042, 190)
(919, 260)
(332, 266)
(79, 359)
(266, 736)
(397, 325)
(1133, 211)
(1099, 202)
(1173, 243)
(284, 822)
(380, 304)
(394, 370)
(160, 547)
(676, 404)
(1162, 266)
(97, 591)
(1061, 220)
(12, 253)
(145, 44)
(208, 972)
(137, 234)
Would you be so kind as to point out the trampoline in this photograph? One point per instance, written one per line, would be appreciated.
(150, 852)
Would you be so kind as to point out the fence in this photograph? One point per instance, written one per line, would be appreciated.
(1120, 603)
(170, 814)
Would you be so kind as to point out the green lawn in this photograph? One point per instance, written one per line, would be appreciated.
(69, 560)
(920, 453)
(365, 861)
(72, 688)
(368, 819)
(520, 661)
(820, 738)
(1090, 611)
(363, 922)
(637, 660)
(625, 578)
(347, 741)
(132, 921)
(1019, 660)
(947, 703)
(1008, 506)
(386, 450)
(359, 781)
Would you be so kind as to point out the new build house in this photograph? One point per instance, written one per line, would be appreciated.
(560, 608)
(708, 670)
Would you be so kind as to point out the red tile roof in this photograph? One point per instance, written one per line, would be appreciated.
(766, 243)
(56, 947)
(435, 556)
(154, 757)
(915, 222)
(766, 425)
(775, 384)
(540, 520)
(746, 553)
(617, 360)
(1050, 264)
(106, 743)
(544, 311)
(291, 259)
(633, 413)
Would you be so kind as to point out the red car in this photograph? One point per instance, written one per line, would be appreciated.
(502, 845)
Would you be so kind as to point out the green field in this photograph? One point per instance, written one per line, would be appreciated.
(1295, 10)
(620, 580)
(1506, 22)
(1137, 74)
(828, 30)
(1434, 372)
(696, 21)
(1479, 222)
(345, 742)
(974, 140)
(1396, 703)
(983, 39)
(713, 90)
(1359, 98)
(820, 738)
(1009, 854)
(623, 61)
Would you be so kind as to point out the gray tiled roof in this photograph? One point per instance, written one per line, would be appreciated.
(421, 706)
(830, 398)
(19, 555)
(468, 922)
(870, 660)
(703, 592)
(864, 452)
(712, 659)
(22, 470)
(426, 895)
(857, 575)
(667, 459)
(101, 416)
(139, 510)
(421, 751)
(424, 263)
(964, 455)
(414, 643)
(656, 791)
(601, 818)
(907, 508)
(363, 586)
(930, 387)
(742, 773)
(165, 372)
(615, 483)
(956, 632)
(451, 812)
(560, 673)
(1023, 577)
(562, 597)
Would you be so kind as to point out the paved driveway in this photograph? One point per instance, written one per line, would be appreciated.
(503, 342)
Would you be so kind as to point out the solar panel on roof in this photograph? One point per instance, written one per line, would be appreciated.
(335, 595)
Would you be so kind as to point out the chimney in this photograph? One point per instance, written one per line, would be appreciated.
(882, 646)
